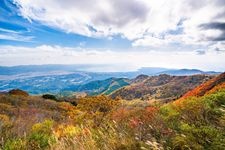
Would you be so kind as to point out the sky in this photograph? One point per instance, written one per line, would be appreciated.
(123, 34)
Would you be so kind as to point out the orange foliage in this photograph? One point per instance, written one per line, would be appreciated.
(217, 88)
(205, 87)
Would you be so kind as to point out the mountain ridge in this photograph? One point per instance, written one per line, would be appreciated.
(206, 87)
(162, 87)
(39, 79)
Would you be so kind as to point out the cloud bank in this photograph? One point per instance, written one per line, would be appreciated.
(148, 23)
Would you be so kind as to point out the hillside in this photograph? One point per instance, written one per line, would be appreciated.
(163, 87)
(103, 86)
(213, 84)
(100, 123)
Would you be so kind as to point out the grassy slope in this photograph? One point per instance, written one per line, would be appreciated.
(104, 86)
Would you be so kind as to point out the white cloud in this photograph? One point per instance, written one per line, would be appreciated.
(219, 47)
(9, 31)
(115, 61)
(150, 41)
(15, 37)
(141, 21)
(6, 34)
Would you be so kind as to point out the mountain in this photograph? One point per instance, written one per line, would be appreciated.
(39, 79)
(181, 72)
(214, 84)
(25, 71)
(103, 86)
(46, 83)
(37, 122)
(151, 70)
(162, 87)
(52, 78)
(175, 72)
(37, 70)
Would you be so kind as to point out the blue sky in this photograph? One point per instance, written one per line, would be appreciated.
(34, 33)
(126, 33)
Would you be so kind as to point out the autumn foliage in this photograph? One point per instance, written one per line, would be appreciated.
(207, 86)
(99, 122)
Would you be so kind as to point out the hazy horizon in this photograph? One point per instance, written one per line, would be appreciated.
(102, 68)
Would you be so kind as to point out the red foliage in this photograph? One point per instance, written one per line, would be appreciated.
(150, 113)
(120, 114)
(134, 122)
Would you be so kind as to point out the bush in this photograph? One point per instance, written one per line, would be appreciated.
(18, 92)
(16, 144)
(49, 96)
(41, 136)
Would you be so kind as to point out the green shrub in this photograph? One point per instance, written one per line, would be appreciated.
(16, 144)
(41, 136)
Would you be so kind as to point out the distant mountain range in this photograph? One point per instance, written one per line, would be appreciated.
(38, 79)
(181, 72)
(16, 70)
